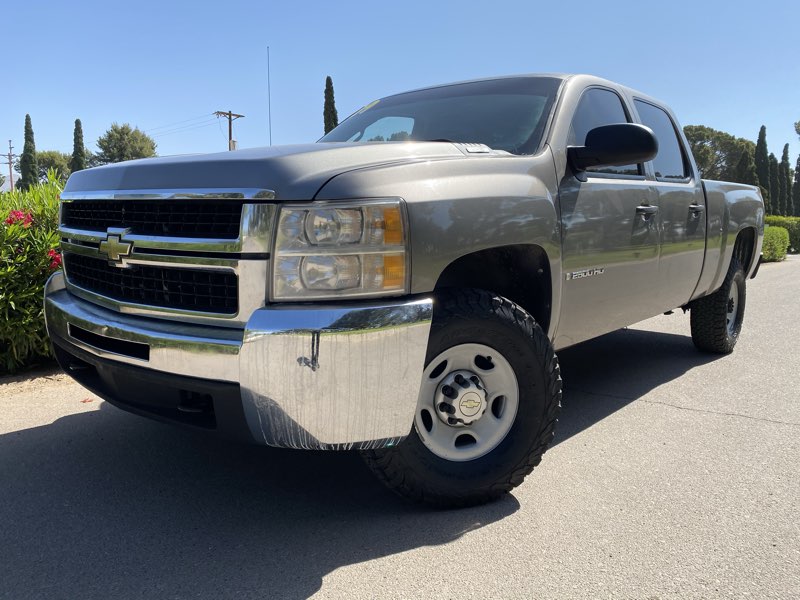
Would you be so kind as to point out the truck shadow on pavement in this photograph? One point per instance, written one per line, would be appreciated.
(106, 504)
(603, 375)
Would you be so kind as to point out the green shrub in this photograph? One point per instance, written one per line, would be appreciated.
(792, 225)
(28, 256)
(776, 241)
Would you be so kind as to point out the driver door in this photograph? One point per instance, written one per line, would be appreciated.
(610, 237)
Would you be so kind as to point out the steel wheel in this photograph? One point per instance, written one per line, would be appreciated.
(468, 402)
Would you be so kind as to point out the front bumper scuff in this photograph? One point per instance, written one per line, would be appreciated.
(309, 376)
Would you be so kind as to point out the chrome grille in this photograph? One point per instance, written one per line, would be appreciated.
(185, 288)
(174, 218)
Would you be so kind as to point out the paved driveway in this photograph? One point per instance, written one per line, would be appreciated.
(674, 474)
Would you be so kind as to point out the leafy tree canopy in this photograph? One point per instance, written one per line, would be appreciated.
(53, 159)
(50, 159)
(123, 142)
(717, 153)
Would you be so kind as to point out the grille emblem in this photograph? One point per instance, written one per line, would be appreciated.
(115, 248)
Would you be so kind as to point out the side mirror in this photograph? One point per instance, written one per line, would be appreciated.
(614, 145)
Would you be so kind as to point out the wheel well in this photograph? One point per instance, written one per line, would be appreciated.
(520, 273)
(744, 247)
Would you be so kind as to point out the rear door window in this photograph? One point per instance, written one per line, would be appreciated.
(670, 163)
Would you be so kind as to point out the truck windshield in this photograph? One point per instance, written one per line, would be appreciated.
(505, 114)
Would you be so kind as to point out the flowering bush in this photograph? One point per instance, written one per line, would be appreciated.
(19, 217)
(28, 256)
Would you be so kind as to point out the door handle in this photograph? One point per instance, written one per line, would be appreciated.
(696, 208)
(646, 210)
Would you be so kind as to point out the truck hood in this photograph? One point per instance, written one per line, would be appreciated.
(294, 172)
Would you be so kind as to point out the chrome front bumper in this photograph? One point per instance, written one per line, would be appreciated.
(310, 376)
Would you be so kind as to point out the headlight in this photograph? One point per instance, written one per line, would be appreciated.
(336, 250)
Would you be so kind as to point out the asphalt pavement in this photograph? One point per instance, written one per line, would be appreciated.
(674, 475)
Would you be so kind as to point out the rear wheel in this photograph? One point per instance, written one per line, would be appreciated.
(716, 320)
(487, 408)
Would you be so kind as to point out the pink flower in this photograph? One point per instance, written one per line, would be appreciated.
(18, 216)
(55, 259)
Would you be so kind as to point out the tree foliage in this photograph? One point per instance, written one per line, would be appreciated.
(53, 159)
(785, 182)
(716, 153)
(746, 169)
(762, 164)
(774, 185)
(329, 114)
(796, 189)
(29, 169)
(78, 160)
(123, 142)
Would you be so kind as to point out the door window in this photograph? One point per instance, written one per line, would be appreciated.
(599, 107)
(670, 163)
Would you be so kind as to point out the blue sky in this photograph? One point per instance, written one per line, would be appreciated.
(166, 66)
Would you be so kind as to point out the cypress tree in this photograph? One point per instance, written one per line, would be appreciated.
(28, 165)
(78, 161)
(329, 113)
(783, 176)
(746, 169)
(786, 182)
(762, 166)
(774, 184)
(796, 188)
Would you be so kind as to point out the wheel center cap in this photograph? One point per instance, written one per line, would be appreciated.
(470, 404)
(460, 399)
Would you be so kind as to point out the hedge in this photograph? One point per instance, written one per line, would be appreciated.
(28, 256)
(791, 224)
(776, 241)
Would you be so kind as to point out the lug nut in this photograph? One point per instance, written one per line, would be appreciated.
(449, 392)
(460, 380)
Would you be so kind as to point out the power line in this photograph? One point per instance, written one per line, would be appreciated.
(186, 128)
(231, 118)
(171, 125)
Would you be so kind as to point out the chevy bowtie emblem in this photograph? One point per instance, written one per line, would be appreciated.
(115, 248)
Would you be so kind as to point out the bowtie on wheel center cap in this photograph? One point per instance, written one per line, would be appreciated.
(460, 399)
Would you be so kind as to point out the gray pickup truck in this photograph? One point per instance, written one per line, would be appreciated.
(401, 286)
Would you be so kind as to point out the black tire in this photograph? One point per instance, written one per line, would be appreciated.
(711, 331)
(478, 317)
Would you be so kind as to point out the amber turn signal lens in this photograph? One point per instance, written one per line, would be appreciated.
(392, 226)
(394, 271)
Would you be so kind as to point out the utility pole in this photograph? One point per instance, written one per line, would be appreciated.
(231, 118)
(10, 156)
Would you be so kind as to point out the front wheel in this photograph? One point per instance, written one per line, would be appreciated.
(487, 407)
